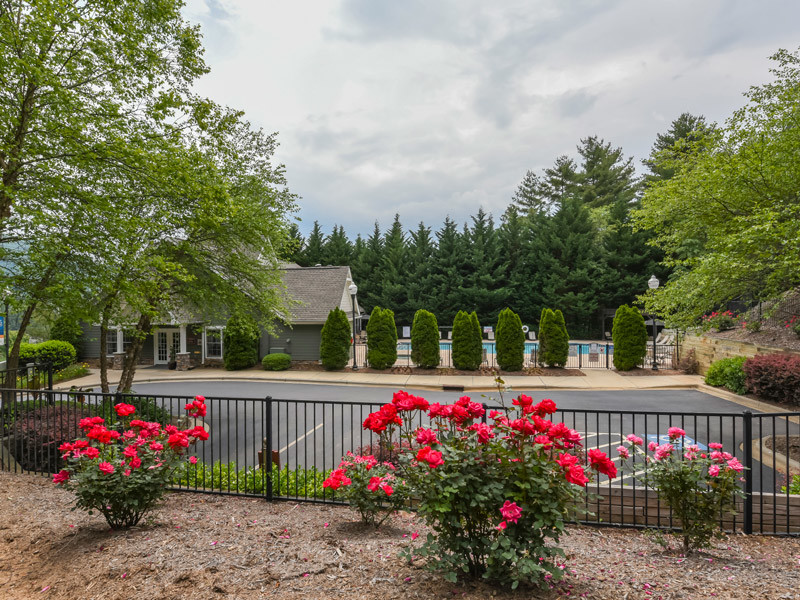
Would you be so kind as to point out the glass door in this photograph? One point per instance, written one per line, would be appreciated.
(168, 344)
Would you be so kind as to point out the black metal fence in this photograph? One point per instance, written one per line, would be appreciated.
(582, 355)
(32, 376)
(283, 449)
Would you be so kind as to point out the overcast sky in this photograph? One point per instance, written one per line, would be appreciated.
(432, 108)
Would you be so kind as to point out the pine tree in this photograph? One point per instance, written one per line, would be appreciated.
(553, 339)
(630, 338)
(425, 340)
(446, 279)
(381, 339)
(293, 250)
(420, 267)
(607, 177)
(394, 273)
(463, 352)
(334, 349)
(367, 271)
(476, 339)
(510, 341)
(677, 141)
(312, 252)
(512, 238)
(484, 285)
(337, 249)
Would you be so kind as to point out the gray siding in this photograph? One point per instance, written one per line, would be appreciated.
(90, 342)
(301, 342)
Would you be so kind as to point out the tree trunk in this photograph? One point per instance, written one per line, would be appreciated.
(133, 353)
(104, 353)
(13, 356)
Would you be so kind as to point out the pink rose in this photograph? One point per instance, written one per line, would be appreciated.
(623, 452)
(510, 511)
(106, 467)
(635, 440)
(675, 433)
(713, 470)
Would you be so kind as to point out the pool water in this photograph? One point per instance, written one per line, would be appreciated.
(488, 347)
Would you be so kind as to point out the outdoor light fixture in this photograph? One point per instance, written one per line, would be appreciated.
(652, 283)
(353, 291)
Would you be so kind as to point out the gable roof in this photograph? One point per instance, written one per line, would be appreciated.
(318, 290)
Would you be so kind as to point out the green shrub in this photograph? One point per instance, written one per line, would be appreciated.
(71, 372)
(276, 362)
(463, 351)
(510, 341)
(553, 339)
(59, 354)
(334, 347)
(774, 377)
(629, 335)
(729, 373)
(381, 339)
(67, 329)
(425, 340)
(476, 339)
(241, 343)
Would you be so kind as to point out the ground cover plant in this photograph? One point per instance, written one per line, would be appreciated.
(122, 472)
(334, 348)
(698, 486)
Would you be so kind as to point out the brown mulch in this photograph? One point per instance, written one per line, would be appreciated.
(781, 442)
(640, 372)
(203, 547)
(771, 337)
(410, 370)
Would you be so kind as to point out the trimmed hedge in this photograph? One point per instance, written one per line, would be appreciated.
(381, 339)
(425, 340)
(56, 352)
(334, 347)
(476, 339)
(276, 362)
(629, 335)
(553, 339)
(774, 377)
(727, 372)
(241, 343)
(463, 349)
(510, 341)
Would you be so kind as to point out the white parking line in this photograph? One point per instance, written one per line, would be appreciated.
(301, 438)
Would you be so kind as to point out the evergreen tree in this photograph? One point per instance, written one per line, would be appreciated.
(483, 284)
(544, 329)
(394, 273)
(381, 339)
(510, 341)
(476, 339)
(512, 236)
(629, 334)
(293, 249)
(67, 329)
(446, 279)
(241, 343)
(420, 267)
(337, 249)
(425, 340)
(334, 348)
(527, 198)
(367, 271)
(683, 133)
(312, 252)
(553, 339)
(463, 351)
(607, 177)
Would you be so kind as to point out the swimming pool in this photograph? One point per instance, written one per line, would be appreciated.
(530, 347)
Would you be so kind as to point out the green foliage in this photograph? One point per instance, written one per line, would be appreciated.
(73, 371)
(286, 482)
(774, 377)
(67, 329)
(728, 220)
(276, 362)
(463, 350)
(476, 339)
(425, 340)
(697, 498)
(553, 339)
(629, 335)
(510, 341)
(727, 372)
(57, 353)
(721, 321)
(240, 343)
(381, 339)
(334, 348)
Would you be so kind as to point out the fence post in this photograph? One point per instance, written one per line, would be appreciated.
(485, 410)
(580, 355)
(748, 473)
(606, 355)
(268, 450)
(50, 376)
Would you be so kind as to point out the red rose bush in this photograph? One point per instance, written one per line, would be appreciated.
(123, 471)
(496, 489)
(699, 486)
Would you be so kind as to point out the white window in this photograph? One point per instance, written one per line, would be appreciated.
(213, 342)
(111, 341)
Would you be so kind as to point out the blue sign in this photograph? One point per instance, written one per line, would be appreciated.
(679, 443)
(2, 325)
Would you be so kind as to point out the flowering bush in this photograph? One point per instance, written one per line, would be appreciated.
(124, 470)
(369, 486)
(698, 486)
(719, 321)
(495, 489)
(793, 324)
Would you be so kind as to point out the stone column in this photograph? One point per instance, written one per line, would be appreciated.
(118, 360)
(184, 361)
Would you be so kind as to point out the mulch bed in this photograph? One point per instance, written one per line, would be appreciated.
(204, 547)
(770, 337)
(781, 442)
(640, 372)
(482, 372)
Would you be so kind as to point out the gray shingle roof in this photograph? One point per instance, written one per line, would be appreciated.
(318, 289)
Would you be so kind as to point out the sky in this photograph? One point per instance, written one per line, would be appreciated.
(430, 108)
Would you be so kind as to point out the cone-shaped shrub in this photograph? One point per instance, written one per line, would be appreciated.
(334, 347)
(476, 339)
(241, 343)
(425, 340)
(629, 335)
(463, 352)
(510, 341)
(553, 339)
(381, 339)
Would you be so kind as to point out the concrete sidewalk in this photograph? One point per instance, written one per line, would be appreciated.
(594, 379)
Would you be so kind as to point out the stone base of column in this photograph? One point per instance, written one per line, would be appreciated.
(118, 360)
(184, 360)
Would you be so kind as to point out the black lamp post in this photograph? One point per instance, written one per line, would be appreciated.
(652, 283)
(6, 296)
(353, 291)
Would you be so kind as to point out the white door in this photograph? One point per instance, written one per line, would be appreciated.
(167, 345)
